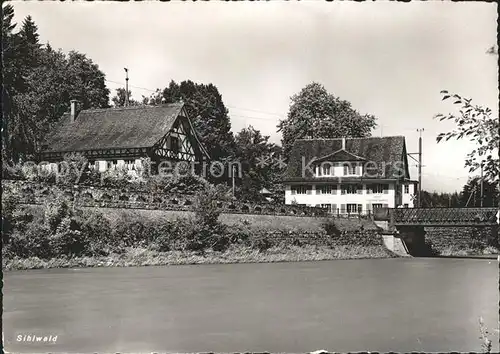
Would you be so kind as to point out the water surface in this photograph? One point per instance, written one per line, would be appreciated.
(355, 305)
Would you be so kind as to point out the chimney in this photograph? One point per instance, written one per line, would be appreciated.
(343, 143)
(74, 110)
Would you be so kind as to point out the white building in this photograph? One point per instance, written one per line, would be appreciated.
(353, 175)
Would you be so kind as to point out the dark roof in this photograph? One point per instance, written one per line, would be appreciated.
(384, 156)
(130, 127)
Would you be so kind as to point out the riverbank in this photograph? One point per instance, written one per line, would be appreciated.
(452, 252)
(136, 257)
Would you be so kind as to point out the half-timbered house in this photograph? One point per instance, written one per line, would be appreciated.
(114, 137)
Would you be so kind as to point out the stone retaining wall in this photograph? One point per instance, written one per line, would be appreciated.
(462, 237)
(39, 193)
(362, 238)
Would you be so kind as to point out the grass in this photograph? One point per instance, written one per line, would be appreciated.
(484, 337)
(267, 222)
(463, 252)
(235, 254)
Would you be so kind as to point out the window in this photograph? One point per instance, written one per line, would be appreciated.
(326, 169)
(379, 188)
(327, 207)
(111, 164)
(405, 205)
(352, 208)
(174, 144)
(300, 189)
(376, 206)
(350, 169)
(350, 189)
(130, 164)
(327, 189)
(406, 188)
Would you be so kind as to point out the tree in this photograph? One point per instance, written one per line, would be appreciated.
(38, 84)
(477, 124)
(120, 98)
(209, 115)
(12, 78)
(439, 200)
(315, 113)
(30, 47)
(86, 82)
(471, 193)
(254, 152)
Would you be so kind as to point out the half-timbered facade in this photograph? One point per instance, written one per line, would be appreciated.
(350, 175)
(122, 137)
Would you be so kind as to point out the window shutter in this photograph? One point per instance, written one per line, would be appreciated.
(334, 208)
(368, 189)
(308, 191)
(318, 190)
(345, 170)
(360, 189)
(360, 208)
(367, 208)
(342, 189)
(342, 208)
(293, 191)
(385, 205)
(334, 189)
(358, 170)
(386, 189)
(332, 168)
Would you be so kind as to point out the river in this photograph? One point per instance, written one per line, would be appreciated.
(402, 305)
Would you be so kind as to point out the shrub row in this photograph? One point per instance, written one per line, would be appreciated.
(61, 229)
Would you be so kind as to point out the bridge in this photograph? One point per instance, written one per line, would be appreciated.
(456, 217)
(409, 224)
(437, 216)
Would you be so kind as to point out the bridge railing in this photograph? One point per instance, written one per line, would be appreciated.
(444, 216)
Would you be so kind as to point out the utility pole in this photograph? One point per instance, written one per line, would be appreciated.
(420, 164)
(126, 87)
(419, 192)
(232, 175)
(481, 193)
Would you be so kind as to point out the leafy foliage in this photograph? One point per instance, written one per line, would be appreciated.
(120, 98)
(38, 86)
(471, 193)
(207, 111)
(315, 113)
(255, 154)
(476, 124)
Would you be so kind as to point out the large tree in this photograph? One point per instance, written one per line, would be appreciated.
(315, 113)
(209, 114)
(38, 84)
(258, 159)
(120, 98)
(478, 125)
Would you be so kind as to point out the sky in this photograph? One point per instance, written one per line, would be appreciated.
(388, 59)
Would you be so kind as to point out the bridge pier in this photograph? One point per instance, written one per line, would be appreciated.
(414, 239)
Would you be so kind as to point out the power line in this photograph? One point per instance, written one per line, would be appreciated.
(257, 111)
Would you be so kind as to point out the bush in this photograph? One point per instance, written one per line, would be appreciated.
(96, 230)
(12, 172)
(68, 239)
(32, 242)
(9, 207)
(330, 227)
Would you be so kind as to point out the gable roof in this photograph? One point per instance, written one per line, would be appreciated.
(112, 128)
(383, 155)
(340, 156)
